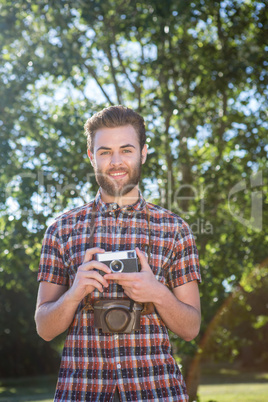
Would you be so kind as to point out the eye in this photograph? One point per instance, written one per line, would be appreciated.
(127, 151)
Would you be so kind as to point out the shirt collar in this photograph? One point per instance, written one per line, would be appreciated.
(104, 207)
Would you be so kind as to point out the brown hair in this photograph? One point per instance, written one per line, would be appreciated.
(114, 116)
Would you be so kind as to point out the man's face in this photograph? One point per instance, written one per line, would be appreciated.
(117, 160)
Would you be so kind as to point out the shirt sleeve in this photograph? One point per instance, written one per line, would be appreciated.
(51, 267)
(185, 262)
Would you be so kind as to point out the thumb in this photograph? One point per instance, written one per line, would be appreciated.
(143, 260)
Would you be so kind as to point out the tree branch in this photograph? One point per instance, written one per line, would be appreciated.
(135, 86)
(113, 71)
(94, 75)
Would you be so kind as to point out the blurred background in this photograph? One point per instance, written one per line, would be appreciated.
(197, 72)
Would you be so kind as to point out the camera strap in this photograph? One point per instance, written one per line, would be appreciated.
(147, 247)
(148, 308)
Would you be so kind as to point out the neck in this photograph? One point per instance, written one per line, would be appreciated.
(122, 200)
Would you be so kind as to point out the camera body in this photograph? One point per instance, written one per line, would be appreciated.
(119, 261)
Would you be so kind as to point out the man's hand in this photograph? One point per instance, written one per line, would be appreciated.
(87, 277)
(139, 286)
(179, 308)
(56, 304)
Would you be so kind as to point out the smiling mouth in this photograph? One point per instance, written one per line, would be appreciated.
(117, 174)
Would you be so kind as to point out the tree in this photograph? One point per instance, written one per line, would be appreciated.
(195, 70)
(242, 323)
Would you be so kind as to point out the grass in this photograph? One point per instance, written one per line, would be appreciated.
(217, 385)
(230, 385)
(234, 393)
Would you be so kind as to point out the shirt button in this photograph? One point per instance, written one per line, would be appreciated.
(116, 337)
(110, 213)
(118, 366)
(114, 206)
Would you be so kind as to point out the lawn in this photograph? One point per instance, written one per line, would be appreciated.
(217, 385)
(230, 385)
(234, 393)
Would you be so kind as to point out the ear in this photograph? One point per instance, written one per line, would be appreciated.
(91, 157)
(144, 154)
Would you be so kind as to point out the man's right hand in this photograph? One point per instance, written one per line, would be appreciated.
(87, 277)
(56, 304)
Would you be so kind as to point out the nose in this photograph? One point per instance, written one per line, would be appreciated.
(116, 159)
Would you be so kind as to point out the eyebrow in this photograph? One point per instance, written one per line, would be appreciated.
(123, 146)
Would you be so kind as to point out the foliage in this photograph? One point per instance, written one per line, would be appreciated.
(242, 326)
(195, 70)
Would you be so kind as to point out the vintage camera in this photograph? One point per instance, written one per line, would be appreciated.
(119, 261)
(118, 315)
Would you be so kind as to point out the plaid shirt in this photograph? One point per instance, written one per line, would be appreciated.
(140, 364)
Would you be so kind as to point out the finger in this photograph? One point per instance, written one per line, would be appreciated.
(121, 277)
(91, 265)
(92, 275)
(143, 260)
(90, 252)
(95, 284)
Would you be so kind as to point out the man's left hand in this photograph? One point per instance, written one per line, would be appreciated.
(139, 286)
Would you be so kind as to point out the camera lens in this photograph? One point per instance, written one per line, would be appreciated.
(116, 266)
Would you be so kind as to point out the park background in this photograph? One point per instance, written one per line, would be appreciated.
(197, 72)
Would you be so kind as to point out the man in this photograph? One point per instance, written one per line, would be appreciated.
(108, 366)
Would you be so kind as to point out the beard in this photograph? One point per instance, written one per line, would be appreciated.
(121, 187)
